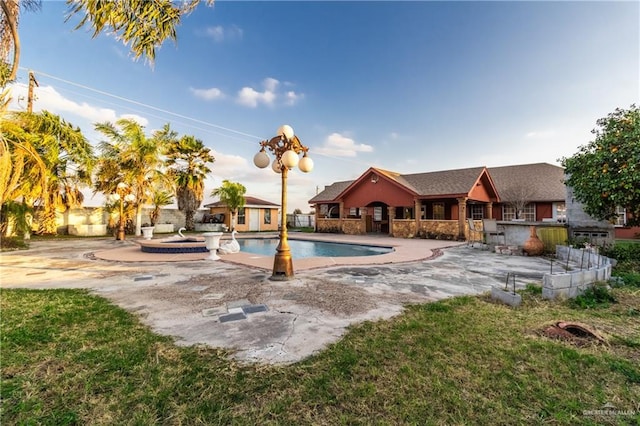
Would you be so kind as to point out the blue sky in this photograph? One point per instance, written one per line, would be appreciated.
(405, 86)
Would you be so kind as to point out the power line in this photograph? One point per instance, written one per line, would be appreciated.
(121, 98)
(164, 111)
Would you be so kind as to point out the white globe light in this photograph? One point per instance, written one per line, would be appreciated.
(129, 198)
(290, 159)
(122, 185)
(286, 130)
(261, 159)
(276, 166)
(115, 197)
(306, 164)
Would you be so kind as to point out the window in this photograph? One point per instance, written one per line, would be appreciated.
(324, 209)
(476, 211)
(267, 216)
(621, 220)
(438, 211)
(423, 212)
(528, 213)
(354, 212)
(560, 212)
(241, 216)
(404, 213)
(377, 213)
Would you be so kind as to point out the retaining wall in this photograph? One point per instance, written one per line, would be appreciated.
(589, 267)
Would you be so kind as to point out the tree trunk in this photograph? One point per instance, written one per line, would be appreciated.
(138, 220)
(189, 223)
(12, 21)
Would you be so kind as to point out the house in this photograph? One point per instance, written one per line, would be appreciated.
(256, 215)
(437, 204)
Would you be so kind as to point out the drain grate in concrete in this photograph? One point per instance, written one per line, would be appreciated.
(143, 277)
(252, 309)
(232, 317)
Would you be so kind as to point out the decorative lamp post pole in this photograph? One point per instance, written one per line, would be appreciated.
(123, 194)
(286, 147)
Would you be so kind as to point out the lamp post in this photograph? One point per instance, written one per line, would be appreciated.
(286, 147)
(123, 194)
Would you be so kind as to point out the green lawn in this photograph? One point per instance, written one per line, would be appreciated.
(72, 358)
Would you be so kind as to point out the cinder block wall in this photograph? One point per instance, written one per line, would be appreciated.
(589, 268)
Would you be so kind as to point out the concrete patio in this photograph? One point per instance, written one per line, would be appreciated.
(231, 303)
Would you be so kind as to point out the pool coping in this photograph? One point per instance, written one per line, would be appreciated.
(405, 250)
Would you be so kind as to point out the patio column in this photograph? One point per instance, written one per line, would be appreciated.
(363, 219)
(462, 217)
(391, 211)
(416, 214)
(489, 210)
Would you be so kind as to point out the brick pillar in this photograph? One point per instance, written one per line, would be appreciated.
(462, 217)
(392, 215)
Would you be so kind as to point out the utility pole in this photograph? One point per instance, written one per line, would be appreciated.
(32, 82)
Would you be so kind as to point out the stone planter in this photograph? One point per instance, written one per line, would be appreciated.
(147, 232)
(163, 228)
(212, 241)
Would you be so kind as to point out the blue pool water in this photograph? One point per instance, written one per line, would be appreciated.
(301, 249)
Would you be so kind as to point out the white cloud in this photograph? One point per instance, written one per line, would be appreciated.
(207, 94)
(250, 97)
(226, 166)
(47, 98)
(342, 146)
(292, 97)
(220, 33)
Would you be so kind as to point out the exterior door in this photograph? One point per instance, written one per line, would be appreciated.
(254, 219)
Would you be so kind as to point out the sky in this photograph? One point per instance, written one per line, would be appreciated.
(409, 87)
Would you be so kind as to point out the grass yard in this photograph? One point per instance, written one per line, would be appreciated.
(69, 357)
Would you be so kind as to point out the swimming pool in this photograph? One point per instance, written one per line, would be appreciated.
(301, 249)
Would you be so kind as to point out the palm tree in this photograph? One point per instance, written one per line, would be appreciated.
(232, 195)
(187, 160)
(68, 157)
(141, 24)
(159, 198)
(131, 157)
(9, 37)
(50, 161)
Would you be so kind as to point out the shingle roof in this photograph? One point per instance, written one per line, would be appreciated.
(544, 182)
(249, 202)
(330, 192)
(446, 182)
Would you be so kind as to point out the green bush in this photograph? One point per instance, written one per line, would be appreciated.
(597, 296)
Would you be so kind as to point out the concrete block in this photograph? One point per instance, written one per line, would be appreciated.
(557, 281)
(507, 297)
